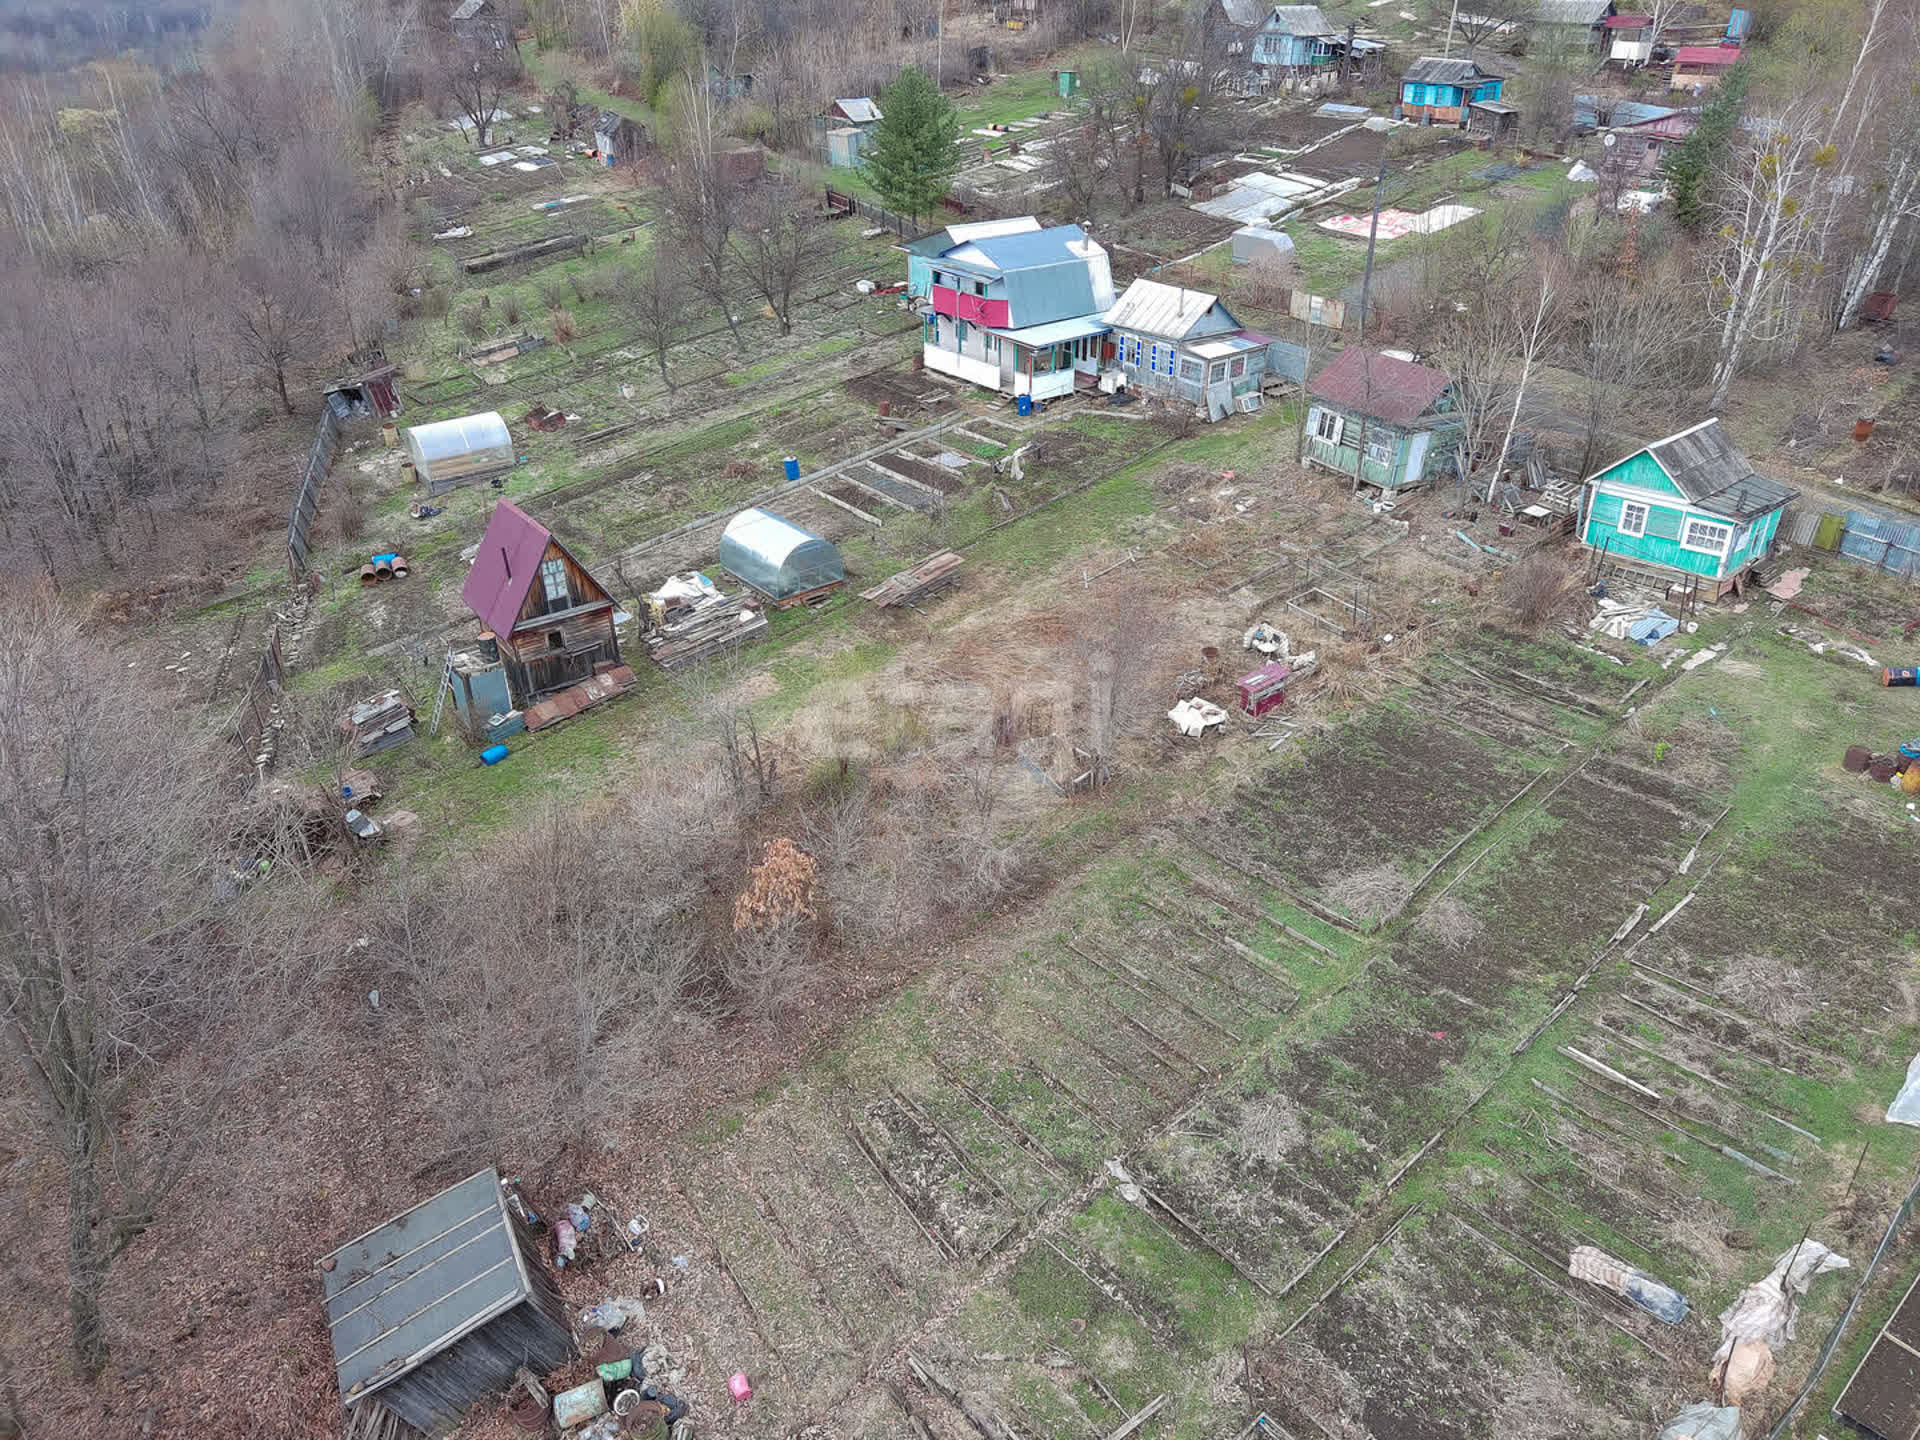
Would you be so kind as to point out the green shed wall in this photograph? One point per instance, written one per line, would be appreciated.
(1642, 472)
(1661, 543)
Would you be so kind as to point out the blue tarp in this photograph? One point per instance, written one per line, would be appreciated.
(1654, 627)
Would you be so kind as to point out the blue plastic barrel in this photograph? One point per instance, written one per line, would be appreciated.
(793, 468)
(1024, 404)
(494, 754)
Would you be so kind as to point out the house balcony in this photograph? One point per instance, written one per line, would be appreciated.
(975, 309)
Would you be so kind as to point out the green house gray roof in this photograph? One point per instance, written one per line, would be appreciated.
(1714, 476)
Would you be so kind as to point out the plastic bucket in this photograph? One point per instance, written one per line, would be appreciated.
(1900, 675)
(793, 467)
(1024, 404)
(1857, 758)
(494, 754)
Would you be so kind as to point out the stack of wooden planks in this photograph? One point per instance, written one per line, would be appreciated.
(707, 630)
(918, 582)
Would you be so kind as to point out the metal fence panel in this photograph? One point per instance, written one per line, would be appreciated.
(1879, 538)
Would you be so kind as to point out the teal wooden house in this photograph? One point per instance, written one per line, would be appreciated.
(1439, 91)
(1686, 506)
(1294, 38)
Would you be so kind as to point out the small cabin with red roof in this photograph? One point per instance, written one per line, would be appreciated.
(1701, 67)
(553, 621)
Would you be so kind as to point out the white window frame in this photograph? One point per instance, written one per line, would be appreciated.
(1624, 527)
(1718, 548)
(550, 570)
(1323, 421)
(1382, 449)
(1217, 372)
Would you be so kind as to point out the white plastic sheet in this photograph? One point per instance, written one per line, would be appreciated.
(1704, 1422)
(1905, 1109)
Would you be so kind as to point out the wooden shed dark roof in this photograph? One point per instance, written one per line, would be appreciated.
(409, 1289)
(1367, 382)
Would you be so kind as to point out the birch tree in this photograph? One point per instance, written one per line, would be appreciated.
(1893, 183)
(1763, 250)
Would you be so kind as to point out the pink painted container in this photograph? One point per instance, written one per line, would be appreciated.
(738, 1386)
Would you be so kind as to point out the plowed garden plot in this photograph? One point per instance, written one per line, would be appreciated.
(1355, 820)
(1555, 671)
(951, 1199)
(1447, 1336)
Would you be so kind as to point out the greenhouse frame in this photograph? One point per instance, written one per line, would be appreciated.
(774, 556)
(447, 453)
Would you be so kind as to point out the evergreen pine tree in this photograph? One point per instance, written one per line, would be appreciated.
(912, 158)
(1688, 168)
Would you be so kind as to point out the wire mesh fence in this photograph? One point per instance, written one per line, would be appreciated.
(1902, 1213)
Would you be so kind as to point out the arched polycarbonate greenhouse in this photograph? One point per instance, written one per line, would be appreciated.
(778, 558)
(447, 453)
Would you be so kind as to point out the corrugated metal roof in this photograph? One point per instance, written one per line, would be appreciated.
(860, 109)
(1298, 20)
(1438, 70)
(467, 9)
(1624, 112)
(1156, 309)
(951, 235)
(1704, 463)
(1369, 383)
(504, 566)
(1245, 12)
(406, 1290)
(1056, 332)
(1572, 12)
(1018, 251)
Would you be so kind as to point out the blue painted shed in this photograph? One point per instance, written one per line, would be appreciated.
(1294, 37)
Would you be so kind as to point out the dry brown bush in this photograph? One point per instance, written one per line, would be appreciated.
(1769, 990)
(562, 323)
(1371, 894)
(780, 891)
(1266, 280)
(1540, 588)
(1448, 923)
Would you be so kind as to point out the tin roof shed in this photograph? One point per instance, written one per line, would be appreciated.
(777, 557)
(435, 1309)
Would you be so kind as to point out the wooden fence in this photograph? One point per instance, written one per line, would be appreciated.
(306, 504)
(841, 203)
(252, 726)
(1880, 538)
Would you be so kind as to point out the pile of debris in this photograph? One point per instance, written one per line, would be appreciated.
(377, 723)
(692, 619)
(918, 582)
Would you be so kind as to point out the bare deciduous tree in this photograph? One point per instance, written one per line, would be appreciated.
(649, 294)
(476, 76)
(1758, 267)
(139, 994)
(703, 203)
(275, 306)
(781, 245)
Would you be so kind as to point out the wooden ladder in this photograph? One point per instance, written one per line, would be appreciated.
(440, 700)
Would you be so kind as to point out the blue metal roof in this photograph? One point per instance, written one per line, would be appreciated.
(1625, 112)
(1020, 252)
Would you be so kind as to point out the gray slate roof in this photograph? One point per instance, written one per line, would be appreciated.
(1572, 12)
(1715, 476)
(1156, 309)
(1298, 20)
(406, 1290)
(1436, 70)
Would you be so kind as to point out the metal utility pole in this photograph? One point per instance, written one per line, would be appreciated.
(1366, 290)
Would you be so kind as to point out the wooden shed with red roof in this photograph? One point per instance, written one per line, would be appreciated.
(1384, 419)
(1701, 67)
(552, 620)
